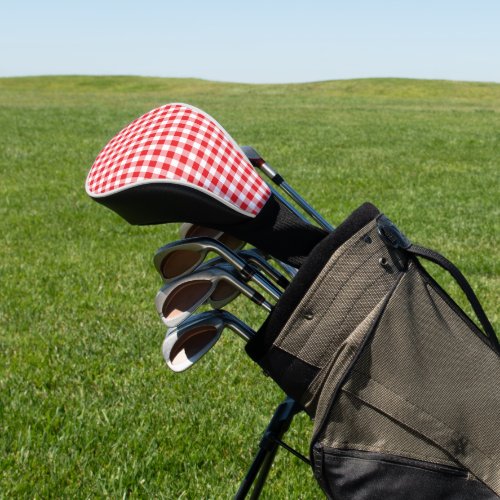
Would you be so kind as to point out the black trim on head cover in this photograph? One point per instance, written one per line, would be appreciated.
(161, 202)
(262, 342)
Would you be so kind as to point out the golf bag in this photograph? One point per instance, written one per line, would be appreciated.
(403, 387)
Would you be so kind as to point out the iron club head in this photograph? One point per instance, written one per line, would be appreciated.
(187, 343)
(178, 299)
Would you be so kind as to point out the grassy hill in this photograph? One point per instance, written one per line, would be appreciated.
(87, 407)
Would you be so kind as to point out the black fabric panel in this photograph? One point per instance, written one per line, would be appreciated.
(275, 230)
(318, 258)
(357, 475)
(293, 375)
(278, 231)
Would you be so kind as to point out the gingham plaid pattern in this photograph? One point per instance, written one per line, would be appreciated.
(179, 144)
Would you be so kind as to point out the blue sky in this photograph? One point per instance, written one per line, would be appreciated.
(257, 41)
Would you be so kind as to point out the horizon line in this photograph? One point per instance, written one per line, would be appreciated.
(304, 82)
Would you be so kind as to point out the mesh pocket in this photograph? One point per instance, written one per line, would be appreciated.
(420, 389)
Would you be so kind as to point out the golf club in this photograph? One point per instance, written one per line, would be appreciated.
(259, 162)
(187, 343)
(177, 164)
(180, 257)
(180, 298)
(256, 257)
(188, 230)
(224, 292)
(252, 255)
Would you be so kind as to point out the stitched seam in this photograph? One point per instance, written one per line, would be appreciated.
(413, 405)
(339, 445)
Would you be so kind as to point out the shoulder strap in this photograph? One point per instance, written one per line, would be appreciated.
(457, 275)
(395, 239)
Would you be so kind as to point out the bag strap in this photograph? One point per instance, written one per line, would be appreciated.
(457, 275)
(391, 235)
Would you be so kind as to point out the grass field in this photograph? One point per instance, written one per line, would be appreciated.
(87, 406)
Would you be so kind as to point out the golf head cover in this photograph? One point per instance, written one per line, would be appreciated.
(177, 164)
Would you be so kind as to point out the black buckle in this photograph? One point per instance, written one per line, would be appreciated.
(390, 234)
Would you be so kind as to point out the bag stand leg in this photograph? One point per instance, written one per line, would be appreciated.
(268, 446)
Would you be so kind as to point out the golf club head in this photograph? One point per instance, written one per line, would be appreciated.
(177, 164)
(179, 258)
(188, 230)
(178, 300)
(223, 293)
(186, 344)
(183, 347)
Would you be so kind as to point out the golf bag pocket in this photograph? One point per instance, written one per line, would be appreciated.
(401, 384)
(348, 474)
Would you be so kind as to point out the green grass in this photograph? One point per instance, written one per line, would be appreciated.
(87, 407)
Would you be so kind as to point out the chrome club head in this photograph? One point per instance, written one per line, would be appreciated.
(178, 299)
(185, 344)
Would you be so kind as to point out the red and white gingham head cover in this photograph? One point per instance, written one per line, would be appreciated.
(179, 144)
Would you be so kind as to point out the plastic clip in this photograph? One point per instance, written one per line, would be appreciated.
(391, 235)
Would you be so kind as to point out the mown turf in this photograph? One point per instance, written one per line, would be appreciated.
(87, 407)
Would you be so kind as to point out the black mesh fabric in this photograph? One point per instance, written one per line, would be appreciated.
(275, 230)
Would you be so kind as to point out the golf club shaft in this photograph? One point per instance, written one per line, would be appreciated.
(245, 333)
(237, 325)
(258, 162)
(255, 257)
(257, 298)
(290, 270)
(298, 199)
(189, 230)
(266, 285)
(288, 204)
